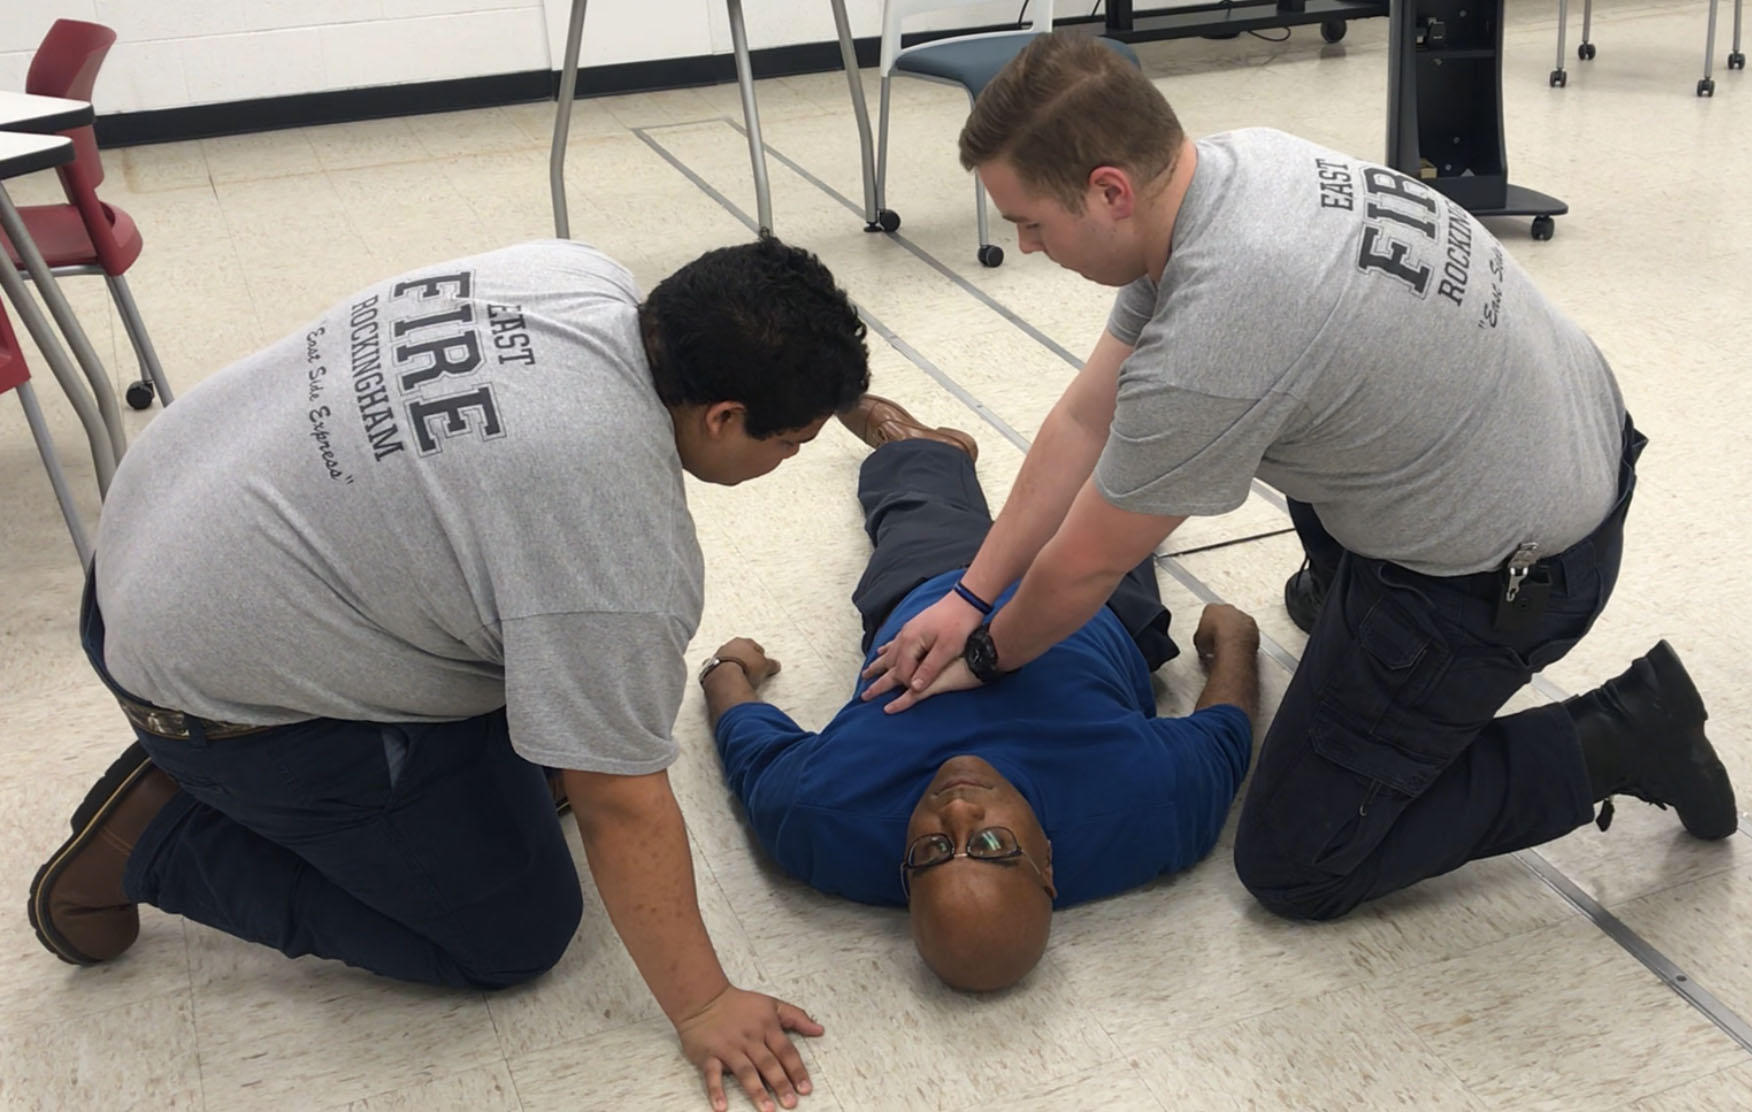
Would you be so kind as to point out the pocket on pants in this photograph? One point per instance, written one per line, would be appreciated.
(1375, 716)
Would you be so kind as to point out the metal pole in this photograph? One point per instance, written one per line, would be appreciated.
(69, 324)
(763, 199)
(563, 120)
(39, 430)
(102, 454)
(849, 58)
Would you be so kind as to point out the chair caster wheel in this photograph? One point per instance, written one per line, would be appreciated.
(1544, 227)
(1736, 61)
(1585, 52)
(1332, 30)
(1559, 79)
(140, 395)
(1706, 88)
(887, 220)
(991, 255)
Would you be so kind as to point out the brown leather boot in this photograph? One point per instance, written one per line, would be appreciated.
(76, 901)
(878, 421)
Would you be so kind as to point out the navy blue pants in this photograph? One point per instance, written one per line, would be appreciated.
(427, 852)
(1386, 763)
(926, 514)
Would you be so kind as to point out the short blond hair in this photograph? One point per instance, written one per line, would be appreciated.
(1065, 105)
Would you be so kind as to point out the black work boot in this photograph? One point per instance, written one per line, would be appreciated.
(1303, 596)
(1642, 735)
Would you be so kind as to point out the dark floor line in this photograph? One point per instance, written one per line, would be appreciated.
(1663, 967)
(1214, 545)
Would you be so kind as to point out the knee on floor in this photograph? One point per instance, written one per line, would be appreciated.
(524, 945)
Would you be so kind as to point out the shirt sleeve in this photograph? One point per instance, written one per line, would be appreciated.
(760, 746)
(1207, 754)
(1132, 309)
(595, 692)
(1174, 451)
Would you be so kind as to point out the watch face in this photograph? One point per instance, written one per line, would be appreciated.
(981, 655)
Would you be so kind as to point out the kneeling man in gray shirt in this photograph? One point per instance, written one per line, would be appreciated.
(356, 590)
(1455, 451)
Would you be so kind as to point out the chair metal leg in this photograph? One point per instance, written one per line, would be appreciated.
(763, 197)
(1706, 87)
(882, 147)
(143, 349)
(979, 201)
(68, 323)
(849, 59)
(1737, 56)
(1562, 27)
(568, 92)
(39, 431)
(1587, 22)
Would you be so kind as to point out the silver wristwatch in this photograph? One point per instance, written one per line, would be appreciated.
(713, 661)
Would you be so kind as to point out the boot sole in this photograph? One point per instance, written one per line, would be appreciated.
(123, 774)
(1682, 703)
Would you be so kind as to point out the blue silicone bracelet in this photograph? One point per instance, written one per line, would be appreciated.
(972, 599)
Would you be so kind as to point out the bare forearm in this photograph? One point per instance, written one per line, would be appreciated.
(636, 843)
(1055, 468)
(1053, 602)
(727, 686)
(1061, 459)
(1233, 678)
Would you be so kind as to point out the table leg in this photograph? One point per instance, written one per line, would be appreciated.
(763, 198)
(568, 92)
(109, 413)
(96, 429)
(849, 58)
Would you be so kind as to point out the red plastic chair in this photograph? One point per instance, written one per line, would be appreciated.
(84, 235)
(14, 375)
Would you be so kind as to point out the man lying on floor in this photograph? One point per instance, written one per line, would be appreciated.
(984, 812)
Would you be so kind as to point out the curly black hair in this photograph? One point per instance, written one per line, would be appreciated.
(762, 324)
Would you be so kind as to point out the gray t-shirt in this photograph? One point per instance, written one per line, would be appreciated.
(1361, 343)
(455, 491)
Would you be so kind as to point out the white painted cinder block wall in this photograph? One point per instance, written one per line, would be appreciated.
(175, 53)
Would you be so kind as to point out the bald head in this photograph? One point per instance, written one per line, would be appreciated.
(980, 926)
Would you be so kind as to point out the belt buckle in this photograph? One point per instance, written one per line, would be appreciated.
(166, 723)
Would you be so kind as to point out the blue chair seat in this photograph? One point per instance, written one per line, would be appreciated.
(972, 63)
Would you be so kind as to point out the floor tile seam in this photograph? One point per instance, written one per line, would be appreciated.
(194, 1008)
(498, 1037)
(1652, 958)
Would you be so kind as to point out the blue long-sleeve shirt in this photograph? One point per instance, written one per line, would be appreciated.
(1124, 795)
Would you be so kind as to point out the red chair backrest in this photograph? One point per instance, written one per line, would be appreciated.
(13, 372)
(66, 65)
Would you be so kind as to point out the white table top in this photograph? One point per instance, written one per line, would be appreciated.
(28, 112)
(26, 154)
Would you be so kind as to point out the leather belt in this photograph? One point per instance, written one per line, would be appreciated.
(174, 724)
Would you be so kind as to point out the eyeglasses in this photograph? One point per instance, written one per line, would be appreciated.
(991, 843)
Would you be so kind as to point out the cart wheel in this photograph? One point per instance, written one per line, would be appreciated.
(1585, 52)
(1736, 61)
(1332, 30)
(991, 255)
(887, 220)
(1706, 88)
(1544, 227)
(1559, 79)
(140, 395)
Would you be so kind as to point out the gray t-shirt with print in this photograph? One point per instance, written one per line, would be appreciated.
(455, 491)
(1358, 341)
